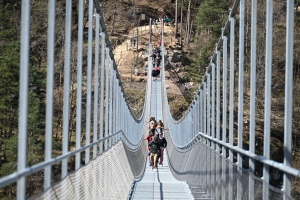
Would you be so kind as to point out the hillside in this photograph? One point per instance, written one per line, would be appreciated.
(127, 58)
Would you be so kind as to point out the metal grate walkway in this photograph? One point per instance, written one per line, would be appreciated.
(160, 185)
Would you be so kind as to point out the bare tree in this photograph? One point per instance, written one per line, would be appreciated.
(176, 23)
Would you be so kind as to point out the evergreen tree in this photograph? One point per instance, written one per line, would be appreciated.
(210, 18)
(9, 73)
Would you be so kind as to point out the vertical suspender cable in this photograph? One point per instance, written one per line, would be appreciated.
(110, 100)
(288, 96)
(218, 100)
(268, 82)
(213, 100)
(208, 108)
(201, 110)
(96, 81)
(89, 82)
(79, 82)
(106, 96)
(231, 105)
(231, 91)
(224, 118)
(241, 96)
(114, 107)
(103, 48)
(218, 111)
(252, 97)
(50, 86)
(204, 131)
(23, 105)
(66, 101)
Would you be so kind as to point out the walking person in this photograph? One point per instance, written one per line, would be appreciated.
(149, 138)
(186, 87)
(154, 150)
(136, 71)
(163, 145)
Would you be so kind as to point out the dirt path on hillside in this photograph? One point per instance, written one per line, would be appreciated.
(125, 55)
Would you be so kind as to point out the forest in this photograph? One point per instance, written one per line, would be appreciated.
(198, 28)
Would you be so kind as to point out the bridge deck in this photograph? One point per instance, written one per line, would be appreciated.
(160, 184)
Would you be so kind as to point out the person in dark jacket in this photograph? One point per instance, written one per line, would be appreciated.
(154, 149)
(163, 144)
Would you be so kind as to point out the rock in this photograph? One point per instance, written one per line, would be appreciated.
(167, 74)
(140, 78)
(176, 51)
(168, 65)
(145, 57)
(185, 61)
(176, 57)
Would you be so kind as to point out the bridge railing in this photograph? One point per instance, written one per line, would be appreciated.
(111, 118)
(236, 89)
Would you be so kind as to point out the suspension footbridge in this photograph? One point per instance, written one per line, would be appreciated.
(205, 157)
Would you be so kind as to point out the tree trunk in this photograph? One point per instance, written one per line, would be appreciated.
(113, 19)
(113, 23)
(176, 23)
(181, 25)
(188, 23)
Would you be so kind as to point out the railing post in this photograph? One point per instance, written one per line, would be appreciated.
(89, 84)
(115, 94)
(218, 111)
(49, 98)
(66, 101)
(268, 82)
(252, 97)
(79, 82)
(23, 105)
(288, 96)
(107, 97)
(241, 97)
(208, 157)
(102, 80)
(198, 113)
(201, 110)
(208, 107)
(213, 156)
(111, 77)
(224, 118)
(213, 100)
(117, 113)
(231, 105)
(96, 96)
(204, 109)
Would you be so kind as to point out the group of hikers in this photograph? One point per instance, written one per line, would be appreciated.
(156, 21)
(156, 143)
(156, 59)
